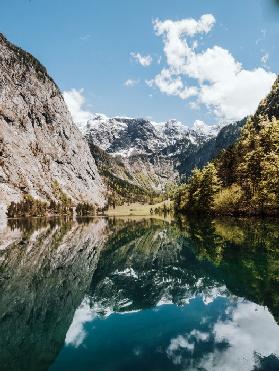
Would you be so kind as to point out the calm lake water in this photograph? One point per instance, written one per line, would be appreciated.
(124, 294)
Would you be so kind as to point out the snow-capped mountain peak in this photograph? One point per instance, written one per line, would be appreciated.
(150, 154)
(202, 128)
(118, 135)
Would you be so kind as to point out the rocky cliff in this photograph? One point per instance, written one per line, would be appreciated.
(39, 144)
(151, 155)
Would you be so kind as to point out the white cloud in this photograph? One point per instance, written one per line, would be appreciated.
(85, 37)
(144, 60)
(176, 49)
(172, 85)
(221, 83)
(265, 58)
(130, 83)
(75, 101)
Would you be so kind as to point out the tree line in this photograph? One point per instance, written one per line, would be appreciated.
(244, 179)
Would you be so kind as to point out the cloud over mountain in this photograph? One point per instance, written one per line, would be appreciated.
(211, 77)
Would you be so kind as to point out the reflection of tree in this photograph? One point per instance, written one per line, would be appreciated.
(147, 265)
(145, 262)
(246, 254)
(44, 275)
(46, 269)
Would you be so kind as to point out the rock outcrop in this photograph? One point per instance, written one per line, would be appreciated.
(39, 143)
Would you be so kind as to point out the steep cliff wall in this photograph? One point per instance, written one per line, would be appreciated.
(39, 144)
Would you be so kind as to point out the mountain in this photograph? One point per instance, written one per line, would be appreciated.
(153, 156)
(270, 105)
(39, 144)
(201, 155)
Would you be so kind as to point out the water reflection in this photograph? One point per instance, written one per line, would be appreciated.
(45, 269)
(133, 294)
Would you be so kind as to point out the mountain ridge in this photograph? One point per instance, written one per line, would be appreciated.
(154, 155)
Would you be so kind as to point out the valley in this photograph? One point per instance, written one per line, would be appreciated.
(139, 185)
(103, 163)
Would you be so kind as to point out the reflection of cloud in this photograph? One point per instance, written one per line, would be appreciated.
(176, 345)
(187, 343)
(199, 336)
(76, 333)
(137, 351)
(249, 333)
(252, 330)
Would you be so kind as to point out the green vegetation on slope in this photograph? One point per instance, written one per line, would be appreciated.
(244, 179)
(119, 182)
(31, 207)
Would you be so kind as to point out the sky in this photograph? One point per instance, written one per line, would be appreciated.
(191, 60)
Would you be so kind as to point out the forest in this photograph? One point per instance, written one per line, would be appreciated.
(244, 179)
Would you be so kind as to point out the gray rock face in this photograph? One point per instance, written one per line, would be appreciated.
(147, 150)
(156, 155)
(39, 144)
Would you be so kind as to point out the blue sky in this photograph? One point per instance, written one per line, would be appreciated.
(87, 44)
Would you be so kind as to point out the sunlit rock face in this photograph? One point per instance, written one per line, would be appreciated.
(155, 155)
(45, 272)
(39, 143)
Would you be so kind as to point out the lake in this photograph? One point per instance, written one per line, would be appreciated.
(110, 294)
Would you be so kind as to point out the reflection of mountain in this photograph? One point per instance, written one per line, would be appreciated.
(47, 270)
(147, 264)
(44, 276)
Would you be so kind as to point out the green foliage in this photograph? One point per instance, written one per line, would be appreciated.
(162, 210)
(64, 205)
(248, 171)
(198, 194)
(29, 206)
(229, 200)
(85, 209)
(258, 168)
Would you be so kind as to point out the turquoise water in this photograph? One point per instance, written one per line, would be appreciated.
(108, 294)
